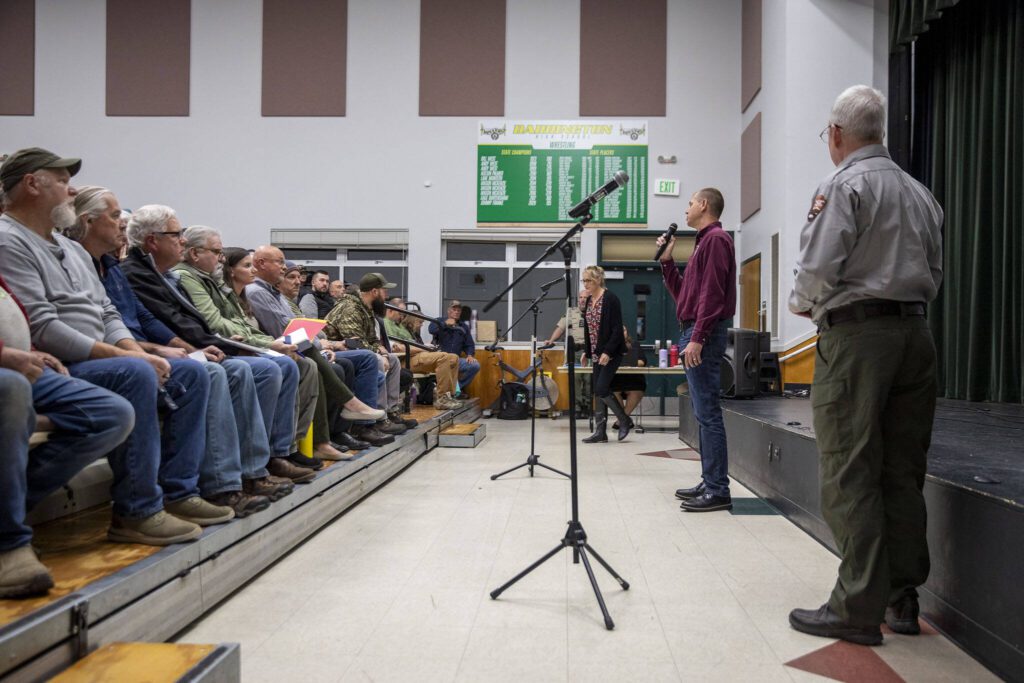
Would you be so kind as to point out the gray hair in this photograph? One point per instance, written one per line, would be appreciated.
(860, 113)
(197, 236)
(91, 201)
(146, 220)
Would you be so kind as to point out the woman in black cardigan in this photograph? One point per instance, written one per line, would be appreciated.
(605, 345)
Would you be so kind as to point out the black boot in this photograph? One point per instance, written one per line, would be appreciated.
(625, 421)
(600, 425)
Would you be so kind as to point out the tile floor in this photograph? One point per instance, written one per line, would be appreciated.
(397, 588)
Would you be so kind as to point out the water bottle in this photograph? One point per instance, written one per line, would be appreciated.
(413, 392)
(663, 358)
(673, 356)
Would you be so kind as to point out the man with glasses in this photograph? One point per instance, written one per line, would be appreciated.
(71, 318)
(870, 261)
(454, 337)
(234, 428)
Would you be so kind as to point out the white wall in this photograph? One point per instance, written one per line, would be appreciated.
(227, 166)
(813, 50)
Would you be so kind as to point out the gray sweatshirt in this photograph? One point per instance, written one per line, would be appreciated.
(68, 309)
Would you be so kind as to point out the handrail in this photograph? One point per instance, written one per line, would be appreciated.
(799, 351)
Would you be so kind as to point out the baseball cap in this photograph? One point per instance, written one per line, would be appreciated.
(289, 266)
(29, 160)
(374, 281)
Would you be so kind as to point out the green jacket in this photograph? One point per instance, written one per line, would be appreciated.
(396, 331)
(351, 318)
(220, 306)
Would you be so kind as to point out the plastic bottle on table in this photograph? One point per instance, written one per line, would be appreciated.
(673, 356)
(663, 358)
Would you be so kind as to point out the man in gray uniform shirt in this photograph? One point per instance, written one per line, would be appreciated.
(870, 260)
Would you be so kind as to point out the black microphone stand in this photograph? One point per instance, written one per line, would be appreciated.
(533, 459)
(575, 537)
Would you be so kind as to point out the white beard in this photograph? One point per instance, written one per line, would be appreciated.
(63, 215)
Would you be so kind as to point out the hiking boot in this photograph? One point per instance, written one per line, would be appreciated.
(22, 575)
(199, 511)
(157, 529)
(281, 467)
(396, 417)
(242, 503)
(901, 616)
(273, 488)
(389, 427)
(371, 435)
(446, 402)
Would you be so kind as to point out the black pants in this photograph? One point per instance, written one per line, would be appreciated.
(603, 375)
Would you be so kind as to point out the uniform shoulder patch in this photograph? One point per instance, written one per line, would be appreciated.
(817, 206)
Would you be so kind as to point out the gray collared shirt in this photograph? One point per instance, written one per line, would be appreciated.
(873, 232)
(269, 306)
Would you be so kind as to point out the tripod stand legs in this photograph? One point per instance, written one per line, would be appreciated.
(575, 538)
(531, 462)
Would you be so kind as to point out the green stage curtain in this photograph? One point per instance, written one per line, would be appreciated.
(909, 18)
(969, 149)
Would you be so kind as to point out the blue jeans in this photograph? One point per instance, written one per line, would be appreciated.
(705, 387)
(467, 371)
(89, 422)
(364, 362)
(150, 467)
(277, 381)
(236, 438)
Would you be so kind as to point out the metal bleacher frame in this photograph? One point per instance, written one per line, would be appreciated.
(157, 597)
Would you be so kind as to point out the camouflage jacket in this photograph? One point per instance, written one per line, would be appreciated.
(351, 318)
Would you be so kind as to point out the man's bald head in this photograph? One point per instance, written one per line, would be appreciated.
(268, 262)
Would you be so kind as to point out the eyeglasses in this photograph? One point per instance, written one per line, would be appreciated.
(172, 233)
(218, 252)
(587, 279)
(823, 135)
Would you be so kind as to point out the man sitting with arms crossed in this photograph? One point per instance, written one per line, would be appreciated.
(155, 236)
(88, 423)
(233, 399)
(454, 337)
(318, 303)
(353, 318)
(71, 317)
(445, 366)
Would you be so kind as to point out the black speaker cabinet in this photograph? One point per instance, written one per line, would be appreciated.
(742, 366)
(770, 376)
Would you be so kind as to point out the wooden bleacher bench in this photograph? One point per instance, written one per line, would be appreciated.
(156, 663)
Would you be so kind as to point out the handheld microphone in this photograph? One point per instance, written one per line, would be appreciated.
(551, 284)
(669, 234)
(615, 183)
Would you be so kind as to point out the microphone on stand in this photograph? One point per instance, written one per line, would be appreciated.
(583, 208)
(669, 234)
(551, 284)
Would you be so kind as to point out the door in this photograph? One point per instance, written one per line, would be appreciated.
(750, 293)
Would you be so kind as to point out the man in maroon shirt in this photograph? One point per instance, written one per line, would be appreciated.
(705, 296)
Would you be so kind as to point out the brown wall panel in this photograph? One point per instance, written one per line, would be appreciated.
(750, 169)
(148, 53)
(462, 57)
(750, 70)
(18, 38)
(623, 48)
(305, 46)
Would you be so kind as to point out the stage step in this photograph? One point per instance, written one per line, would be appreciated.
(462, 435)
(157, 663)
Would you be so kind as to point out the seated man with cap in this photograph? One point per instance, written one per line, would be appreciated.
(71, 317)
(454, 337)
(444, 366)
(353, 321)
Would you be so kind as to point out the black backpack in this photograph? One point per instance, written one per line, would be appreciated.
(515, 401)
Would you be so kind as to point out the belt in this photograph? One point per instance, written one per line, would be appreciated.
(872, 309)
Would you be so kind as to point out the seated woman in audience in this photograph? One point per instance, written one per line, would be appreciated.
(630, 386)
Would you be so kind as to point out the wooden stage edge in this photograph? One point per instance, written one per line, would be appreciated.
(126, 589)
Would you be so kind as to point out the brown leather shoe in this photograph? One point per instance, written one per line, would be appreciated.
(273, 488)
(371, 436)
(282, 467)
(244, 504)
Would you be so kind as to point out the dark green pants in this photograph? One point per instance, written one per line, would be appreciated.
(874, 401)
(332, 397)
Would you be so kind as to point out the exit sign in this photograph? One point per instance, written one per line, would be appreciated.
(667, 187)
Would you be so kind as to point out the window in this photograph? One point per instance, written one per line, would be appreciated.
(476, 272)
(352, 264)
